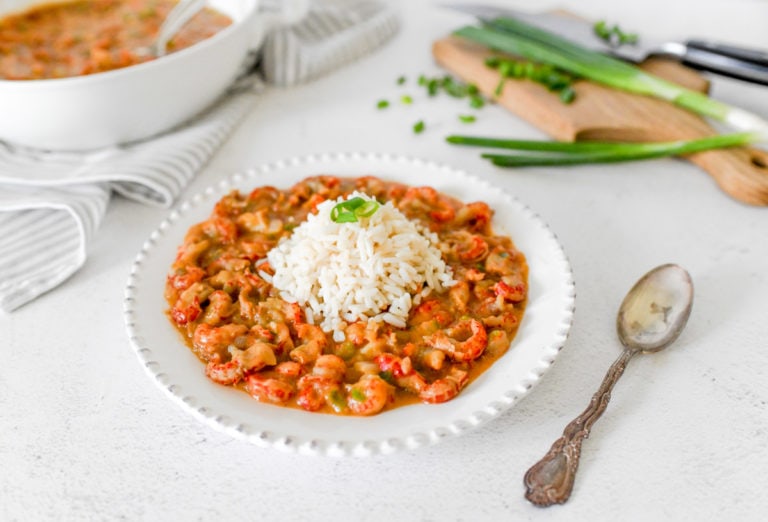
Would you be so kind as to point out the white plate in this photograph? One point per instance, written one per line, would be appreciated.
(180, 374)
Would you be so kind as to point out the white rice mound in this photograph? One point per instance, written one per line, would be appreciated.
(371, 270)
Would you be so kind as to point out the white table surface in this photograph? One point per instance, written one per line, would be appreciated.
(84, 434)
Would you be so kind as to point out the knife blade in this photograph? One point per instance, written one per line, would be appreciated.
(724, 59)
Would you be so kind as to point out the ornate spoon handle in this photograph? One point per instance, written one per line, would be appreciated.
(550, 480)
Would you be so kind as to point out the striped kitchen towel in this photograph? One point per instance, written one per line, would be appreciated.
(51, 203)
(303, 51)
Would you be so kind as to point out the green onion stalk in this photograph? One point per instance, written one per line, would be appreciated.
(518, 38)
(550, 153)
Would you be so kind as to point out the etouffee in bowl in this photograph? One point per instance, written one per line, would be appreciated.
(118, 104)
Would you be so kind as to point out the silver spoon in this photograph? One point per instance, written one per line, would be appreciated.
(650, 318)
(181, 13)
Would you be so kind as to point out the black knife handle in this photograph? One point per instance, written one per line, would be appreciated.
(755, 56)
(728, 60)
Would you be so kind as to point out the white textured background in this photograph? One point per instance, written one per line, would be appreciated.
(84, 434)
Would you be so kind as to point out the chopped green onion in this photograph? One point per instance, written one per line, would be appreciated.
(432, 86)
(556, 81)
(467, 118)
(401, 80)
(344, 212)
(383, 104)
(505, 69)
(342, 216)
(614, 35)
(351, 210)
(387, 376)
(455, 89)
(567, 95)
(499, 87)
(367, 209)
(628, 38)
(476, 102)
(601, 29)
(418, 127)
(406, 100)
(452, 87)
(353, 203)
(543, 74)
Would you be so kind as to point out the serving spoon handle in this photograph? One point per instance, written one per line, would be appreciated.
(550, 480)
(179, 15)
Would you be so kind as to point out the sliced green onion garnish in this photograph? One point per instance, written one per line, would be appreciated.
(467, 118)
(349, 211)
(353, 203)
(357, 395)
(367, 209)
(344, 217)
(405, 99)
(382, 104)
(418, 127)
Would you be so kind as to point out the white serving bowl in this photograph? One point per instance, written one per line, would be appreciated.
(136, 102)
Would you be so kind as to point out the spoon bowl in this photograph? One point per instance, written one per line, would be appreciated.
(650, 318)
(656, 309)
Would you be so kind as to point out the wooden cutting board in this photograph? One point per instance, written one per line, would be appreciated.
(602, 113)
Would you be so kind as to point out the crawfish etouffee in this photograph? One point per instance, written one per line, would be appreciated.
(79, 37)
(347, 296)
